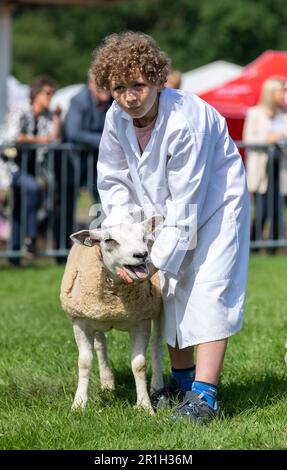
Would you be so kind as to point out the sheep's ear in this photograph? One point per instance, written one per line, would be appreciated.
(153, 223)
(84, 237)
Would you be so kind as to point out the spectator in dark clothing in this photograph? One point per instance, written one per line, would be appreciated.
(30, 123)
(84, 124)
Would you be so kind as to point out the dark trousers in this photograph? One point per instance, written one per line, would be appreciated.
(64, 202)
(267, 205)
(25, 189)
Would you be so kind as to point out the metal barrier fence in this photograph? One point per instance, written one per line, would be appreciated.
(268, 214)
(40, 199)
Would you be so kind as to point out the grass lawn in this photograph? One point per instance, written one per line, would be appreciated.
(38, 375)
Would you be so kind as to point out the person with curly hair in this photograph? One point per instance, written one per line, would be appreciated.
(163, 149)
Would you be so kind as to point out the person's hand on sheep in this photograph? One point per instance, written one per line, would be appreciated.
(124, 275)
(98, 252)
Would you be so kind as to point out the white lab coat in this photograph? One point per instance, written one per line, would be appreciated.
(189, 160)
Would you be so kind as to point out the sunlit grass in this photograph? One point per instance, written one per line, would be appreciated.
(38, 375)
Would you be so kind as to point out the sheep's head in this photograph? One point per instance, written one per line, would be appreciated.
(123, 245)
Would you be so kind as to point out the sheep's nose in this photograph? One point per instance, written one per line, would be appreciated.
(142, 256)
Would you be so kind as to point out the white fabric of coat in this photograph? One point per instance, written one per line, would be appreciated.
(190, 162)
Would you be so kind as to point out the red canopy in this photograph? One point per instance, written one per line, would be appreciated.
(234, 97)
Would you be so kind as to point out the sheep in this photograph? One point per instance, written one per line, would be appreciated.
(96, 300)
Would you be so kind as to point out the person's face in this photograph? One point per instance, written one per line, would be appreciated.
(138, 98)
(101, 96)
(43, 98)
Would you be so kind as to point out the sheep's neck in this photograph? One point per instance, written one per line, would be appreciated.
(112, 285)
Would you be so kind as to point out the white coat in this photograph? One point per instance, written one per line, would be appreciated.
(189, 160)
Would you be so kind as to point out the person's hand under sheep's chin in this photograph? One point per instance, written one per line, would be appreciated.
(98, 252)
(126, 278)
(124, 275)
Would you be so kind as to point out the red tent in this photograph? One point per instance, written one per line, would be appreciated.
(234, 97)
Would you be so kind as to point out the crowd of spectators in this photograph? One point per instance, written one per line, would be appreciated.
(24, 174)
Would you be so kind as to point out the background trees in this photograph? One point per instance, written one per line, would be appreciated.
(60, 41)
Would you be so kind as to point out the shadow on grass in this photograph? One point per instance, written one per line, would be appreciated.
(236, 397)
(28, 390)
(125, 385)
(256, 393)
(259, 393)
(125, 390)
(34, 389)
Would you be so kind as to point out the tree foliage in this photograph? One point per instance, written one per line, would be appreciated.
(60, 41)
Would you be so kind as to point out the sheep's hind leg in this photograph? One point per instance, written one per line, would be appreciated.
(156, 354)
(140, 335)
(106, 374)
(84, 337)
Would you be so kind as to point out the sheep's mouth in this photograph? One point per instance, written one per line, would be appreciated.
(140, 271)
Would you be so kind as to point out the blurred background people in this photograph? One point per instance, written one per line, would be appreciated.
(174, 79)
(266, 124)
(84, 124)
(30, 123)
(5, 184)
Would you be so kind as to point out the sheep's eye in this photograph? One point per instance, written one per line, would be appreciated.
(110, 242)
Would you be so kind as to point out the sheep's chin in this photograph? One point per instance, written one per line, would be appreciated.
(139, 272)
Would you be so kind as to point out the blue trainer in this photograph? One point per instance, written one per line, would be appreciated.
(195, 409)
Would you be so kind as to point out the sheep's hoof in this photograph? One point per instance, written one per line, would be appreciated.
(146, 407)
(108, 384)
(78, 405)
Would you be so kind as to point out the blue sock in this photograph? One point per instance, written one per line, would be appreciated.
(184, 378)
(208, 392)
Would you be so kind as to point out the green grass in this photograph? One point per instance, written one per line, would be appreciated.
(38, 375)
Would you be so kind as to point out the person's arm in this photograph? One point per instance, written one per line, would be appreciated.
(256, 132)
(73, 127)
(253, 131)
(188, 172)
(33, 139)
(56, 124)
(115, 186)
(11, 127)
(275, 137)
(256, 128)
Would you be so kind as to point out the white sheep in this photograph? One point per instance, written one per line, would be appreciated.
(97, 300)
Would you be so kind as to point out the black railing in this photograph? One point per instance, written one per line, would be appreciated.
(41, 200)
(268, 215)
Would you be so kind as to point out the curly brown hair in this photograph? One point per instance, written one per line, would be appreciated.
(123, 56)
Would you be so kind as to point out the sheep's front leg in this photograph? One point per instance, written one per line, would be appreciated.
(106, 374)
(84, 337)
(139, 335)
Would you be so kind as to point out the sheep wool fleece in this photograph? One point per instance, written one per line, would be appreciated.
(89, 291)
